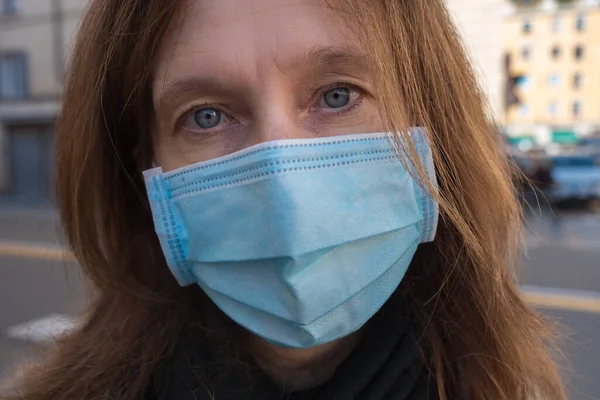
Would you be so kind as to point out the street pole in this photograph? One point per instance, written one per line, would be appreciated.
(58, 42)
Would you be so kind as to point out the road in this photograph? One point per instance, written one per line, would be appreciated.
(40, 294)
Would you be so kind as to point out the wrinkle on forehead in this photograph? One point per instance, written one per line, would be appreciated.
(244, 39)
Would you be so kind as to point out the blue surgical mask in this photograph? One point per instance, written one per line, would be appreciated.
(299, 241)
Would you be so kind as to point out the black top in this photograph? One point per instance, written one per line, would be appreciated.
(384, 366)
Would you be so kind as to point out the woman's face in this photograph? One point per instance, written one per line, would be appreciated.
(234, 73)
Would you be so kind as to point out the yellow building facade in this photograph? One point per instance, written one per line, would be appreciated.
(554, 56)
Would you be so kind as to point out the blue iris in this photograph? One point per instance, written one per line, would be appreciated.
(337, 98)
(207, 118)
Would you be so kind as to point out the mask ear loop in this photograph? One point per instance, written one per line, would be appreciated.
(167, 221)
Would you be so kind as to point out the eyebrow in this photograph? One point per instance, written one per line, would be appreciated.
(332, 58)
(320, 59)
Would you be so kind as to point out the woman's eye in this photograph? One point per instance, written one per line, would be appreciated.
(207, 118)
(337, 98)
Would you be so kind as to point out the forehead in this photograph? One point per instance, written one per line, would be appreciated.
(247, 37)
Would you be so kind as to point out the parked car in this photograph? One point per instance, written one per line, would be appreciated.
(575, 177)
(523, 163)
(591, 141)
(541, 176)
(591, 145)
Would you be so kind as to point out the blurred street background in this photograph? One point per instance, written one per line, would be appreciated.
(539, 65)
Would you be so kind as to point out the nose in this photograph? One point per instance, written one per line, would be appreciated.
(277, 117)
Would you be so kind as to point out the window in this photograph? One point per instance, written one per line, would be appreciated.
(555, 52)
(527, 28)
(580, 23)
(526, 53)
(524, 83)
(8, 6)
(577, 78)
(553, 108)
(554, 80)
(556, 24)
(13, 76)
(578, 52)
(576, 109)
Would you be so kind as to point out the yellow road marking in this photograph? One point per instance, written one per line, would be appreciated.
(570, 300)
(35, 251)
(559, 299)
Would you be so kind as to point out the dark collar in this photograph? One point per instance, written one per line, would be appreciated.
(385, 365)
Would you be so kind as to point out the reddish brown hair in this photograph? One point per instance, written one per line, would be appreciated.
(484, 342)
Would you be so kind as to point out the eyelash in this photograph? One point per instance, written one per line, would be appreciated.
(188, 113)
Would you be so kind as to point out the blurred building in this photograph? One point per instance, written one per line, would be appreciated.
(481, 23)
(553, 71)
(34, 40)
